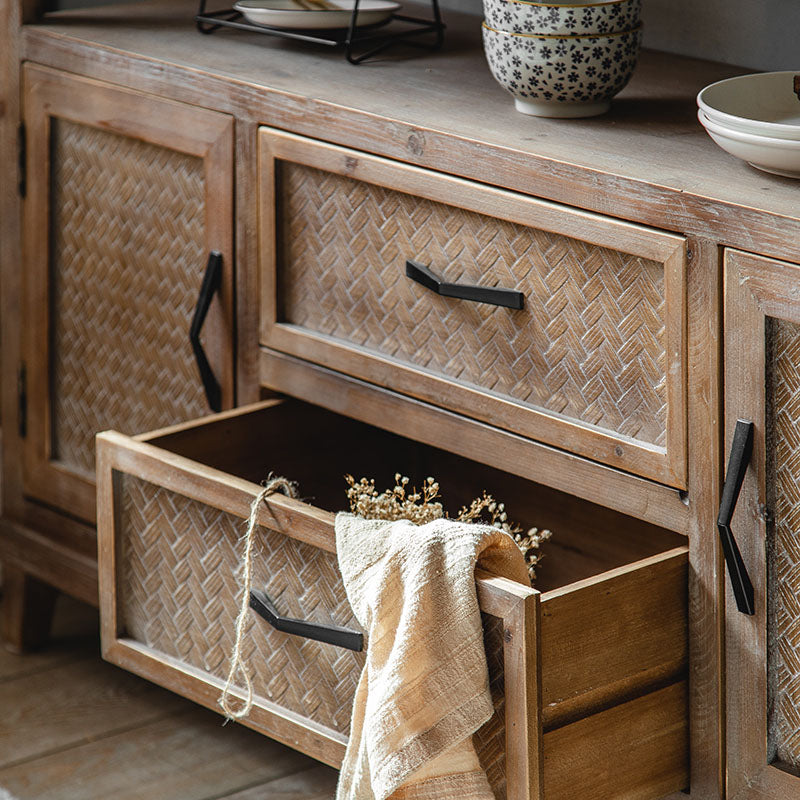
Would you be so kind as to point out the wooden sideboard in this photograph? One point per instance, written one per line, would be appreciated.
(660, 285)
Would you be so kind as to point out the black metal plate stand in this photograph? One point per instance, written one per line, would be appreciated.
(360, 43)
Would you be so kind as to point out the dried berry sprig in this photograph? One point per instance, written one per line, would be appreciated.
(418, 506)
(421, 506)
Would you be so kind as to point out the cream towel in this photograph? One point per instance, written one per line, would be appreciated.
(424, 689)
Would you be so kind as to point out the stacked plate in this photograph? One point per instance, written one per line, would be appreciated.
(314, 14)
(756, 118)
(559, 59)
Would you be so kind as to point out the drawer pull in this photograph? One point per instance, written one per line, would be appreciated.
(211, 283)
(509, 298)
(741, 450)
(330, 634)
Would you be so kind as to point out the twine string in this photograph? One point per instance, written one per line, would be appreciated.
(237, 664)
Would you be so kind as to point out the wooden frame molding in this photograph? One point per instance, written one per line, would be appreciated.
(561, 470)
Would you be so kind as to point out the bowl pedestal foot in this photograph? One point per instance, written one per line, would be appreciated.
(545, 108)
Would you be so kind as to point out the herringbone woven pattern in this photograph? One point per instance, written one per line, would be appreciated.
(127, 259)
(784, 554)
(589, 344)
(179, 595)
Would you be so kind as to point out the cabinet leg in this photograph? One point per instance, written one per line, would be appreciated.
(26, 610)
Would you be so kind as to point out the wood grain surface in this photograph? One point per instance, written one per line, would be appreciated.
(648, 161)
(706, 573)
(47, 716)
(119, 219)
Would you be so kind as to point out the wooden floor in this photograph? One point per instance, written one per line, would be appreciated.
(73, 727)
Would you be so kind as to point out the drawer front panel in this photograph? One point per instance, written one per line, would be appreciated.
(179, 594)
(589, 363)
(589, 343)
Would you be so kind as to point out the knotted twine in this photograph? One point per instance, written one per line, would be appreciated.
(237, 665)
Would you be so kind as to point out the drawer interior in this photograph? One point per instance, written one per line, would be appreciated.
(316, 448)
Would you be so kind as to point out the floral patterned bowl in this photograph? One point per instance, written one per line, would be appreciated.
(523, 16)
(562, 76)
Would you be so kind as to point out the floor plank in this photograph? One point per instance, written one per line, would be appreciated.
(83, 700)
(316, 783)
(186, 757)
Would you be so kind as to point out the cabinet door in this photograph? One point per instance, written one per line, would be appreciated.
(127, 195)
(762, 385)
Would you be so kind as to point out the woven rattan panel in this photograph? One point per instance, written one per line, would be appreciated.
(127, 259)
(179, 595)
(589, 344)
(783, 552)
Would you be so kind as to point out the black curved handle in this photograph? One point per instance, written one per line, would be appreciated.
(509, 298)
(741, 450)
(211, 283)
(330, 634)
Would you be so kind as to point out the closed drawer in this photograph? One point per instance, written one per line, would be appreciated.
(587, 670)
(594, 361)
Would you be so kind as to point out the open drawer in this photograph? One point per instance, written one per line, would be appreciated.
(588, 671)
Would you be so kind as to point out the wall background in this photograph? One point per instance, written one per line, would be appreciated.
(759, 34)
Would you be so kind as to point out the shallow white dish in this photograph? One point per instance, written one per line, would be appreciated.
(289, 14)
(767, 153)
(763, 104)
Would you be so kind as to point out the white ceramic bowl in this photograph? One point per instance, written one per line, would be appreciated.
(767, 153)
(562, 76)
(557, 19)
(763, 104)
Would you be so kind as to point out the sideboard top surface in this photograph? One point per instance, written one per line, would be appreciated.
(648, 159)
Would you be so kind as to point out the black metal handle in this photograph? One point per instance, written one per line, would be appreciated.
(211, 283)
(330, 634)
(741, 450)
(509, 298)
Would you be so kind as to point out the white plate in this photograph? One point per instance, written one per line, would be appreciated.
(767, 153)
(763, 104)
(290, 14)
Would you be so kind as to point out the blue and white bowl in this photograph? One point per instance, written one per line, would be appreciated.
(557, 19)
(562, 76)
